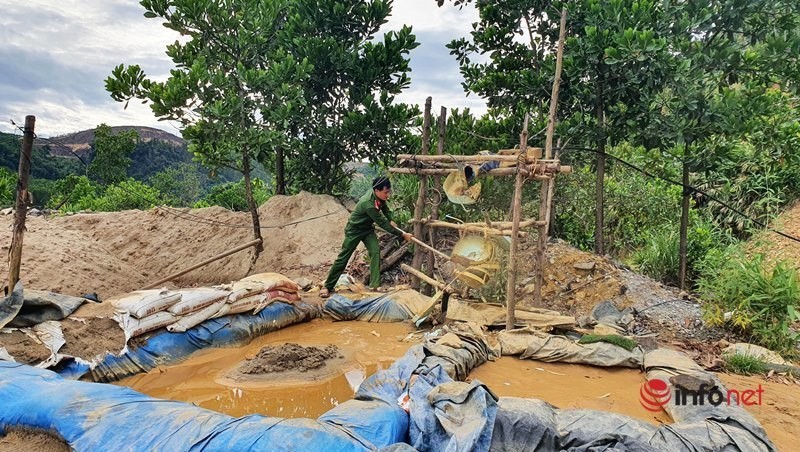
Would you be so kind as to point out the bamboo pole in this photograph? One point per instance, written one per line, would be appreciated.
(546, 192)
(478, 158)
(438, 284)
(21, 204)
(516, 207)
(534, 170)
(419, 207)
(473, 228)
(437, 184)
(255, 242)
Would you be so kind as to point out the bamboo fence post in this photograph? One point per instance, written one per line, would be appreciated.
(437, 184)
(21, 204)
(516, 207)
(546, 192)
(419, 207)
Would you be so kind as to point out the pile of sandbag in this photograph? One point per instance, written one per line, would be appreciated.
(178, 310)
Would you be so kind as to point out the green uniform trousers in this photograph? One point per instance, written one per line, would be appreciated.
(348, 247)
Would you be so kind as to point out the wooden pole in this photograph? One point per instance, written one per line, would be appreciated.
(516, 207)
(438, 284)
(419, 207)
(255, 242)
(546, 191)
(437, 184)
(21, 204)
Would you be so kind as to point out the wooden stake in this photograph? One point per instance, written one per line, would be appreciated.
(546, 191)
(516, 207)
(419, 207)
(256, 242)
(21, 204)
(437, 184)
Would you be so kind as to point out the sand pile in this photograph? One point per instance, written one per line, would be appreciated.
(118, 252)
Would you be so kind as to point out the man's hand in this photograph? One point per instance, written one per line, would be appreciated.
(407, 236)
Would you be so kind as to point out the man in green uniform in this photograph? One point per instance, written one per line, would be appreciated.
(371, 209)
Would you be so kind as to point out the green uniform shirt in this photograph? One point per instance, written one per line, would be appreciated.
(370, 210)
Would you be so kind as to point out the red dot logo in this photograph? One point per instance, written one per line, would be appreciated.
(654, 394)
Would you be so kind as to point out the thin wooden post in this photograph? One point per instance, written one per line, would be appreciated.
(516, 207)
(256, 242)
(546, 191)
(419, 207)
(437, 184)
(21, 204)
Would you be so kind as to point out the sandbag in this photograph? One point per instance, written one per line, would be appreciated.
(252, 303)
(136, 327)
(195, 318)
(196, 299)
(143, 303)
(268, 281)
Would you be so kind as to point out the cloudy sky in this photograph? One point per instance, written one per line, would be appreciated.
(55, 56)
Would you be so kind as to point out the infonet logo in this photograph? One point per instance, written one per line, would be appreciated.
(655, 394)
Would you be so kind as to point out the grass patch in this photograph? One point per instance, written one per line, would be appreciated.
(744, 364)
(619, 341)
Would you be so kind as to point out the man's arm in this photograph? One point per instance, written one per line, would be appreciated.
(384, 223)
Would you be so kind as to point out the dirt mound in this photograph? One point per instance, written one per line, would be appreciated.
(288, 357)
(118, 252)
(67, 260)
(776, 247)
(18, 439)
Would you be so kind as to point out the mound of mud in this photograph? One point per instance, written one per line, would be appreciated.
(289, 357)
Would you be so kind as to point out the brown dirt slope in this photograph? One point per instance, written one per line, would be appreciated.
(778, 248)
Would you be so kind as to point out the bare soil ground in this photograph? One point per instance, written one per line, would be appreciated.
(20, 439)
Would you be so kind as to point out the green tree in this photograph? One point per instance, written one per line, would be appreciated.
(181, 185)
(111, 155)
(615, 58)
(235, 89)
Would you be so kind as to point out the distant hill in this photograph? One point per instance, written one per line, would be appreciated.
(81, 142)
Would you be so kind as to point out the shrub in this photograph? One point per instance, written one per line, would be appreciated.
(231, 195)
(761, 302)
(127, 195)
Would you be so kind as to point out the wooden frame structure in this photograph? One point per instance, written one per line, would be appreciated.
(525, 168)
(521, 164)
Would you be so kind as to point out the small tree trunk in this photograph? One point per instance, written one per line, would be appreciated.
(684, 239)
(419, 207)
(599, 247)
(280, 175)
(251, 205)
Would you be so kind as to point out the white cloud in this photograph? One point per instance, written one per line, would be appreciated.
(56, 56)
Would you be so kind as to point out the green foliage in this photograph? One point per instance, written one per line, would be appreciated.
(126, 195)
(762, 302)
(658, 256)
(74, 193)
(111, 155)
(8, 188)
(43, 165)
(180, 185)
(153, 156)
(744, 364)
(232, 196)
(636, 206)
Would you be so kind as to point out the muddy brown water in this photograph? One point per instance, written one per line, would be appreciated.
(208, 378)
